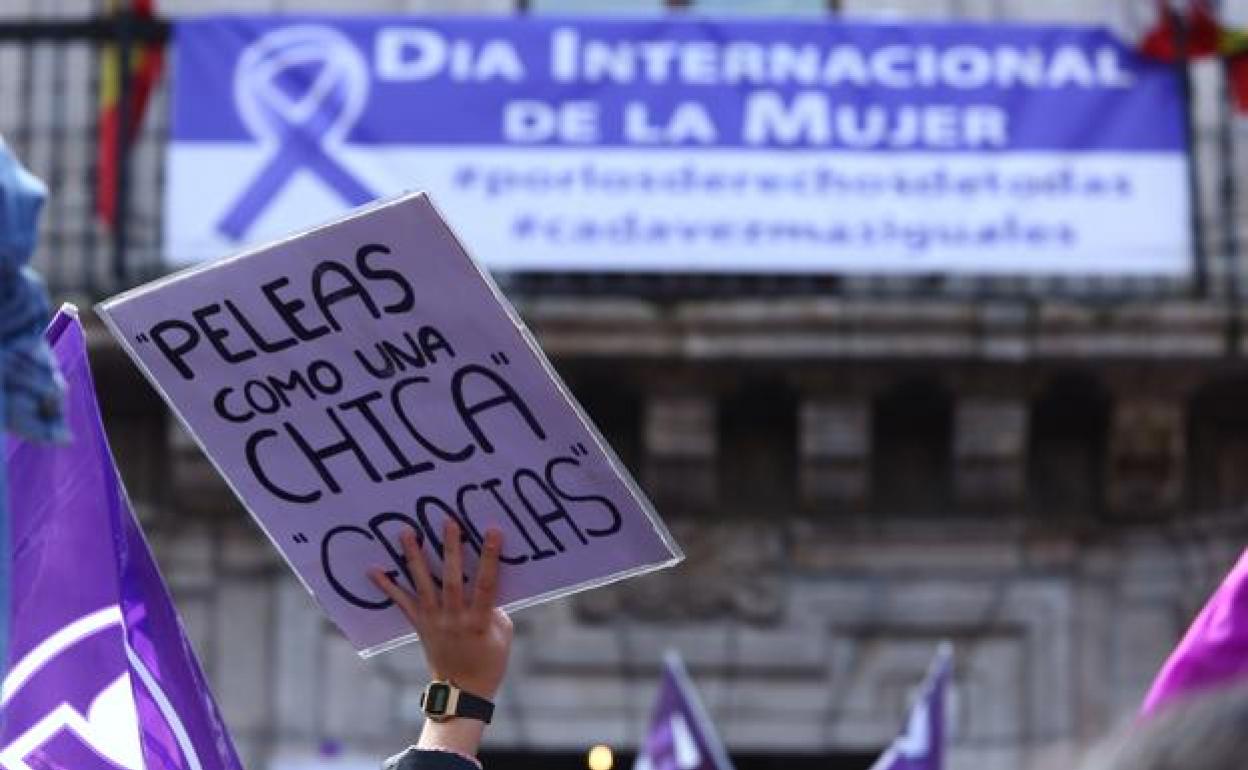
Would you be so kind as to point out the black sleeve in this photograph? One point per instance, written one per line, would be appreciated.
(418, 759)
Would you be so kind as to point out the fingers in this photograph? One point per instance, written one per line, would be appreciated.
(396, 593)
(424, 603)
(452, 567)
(418, 571)
(485, 589)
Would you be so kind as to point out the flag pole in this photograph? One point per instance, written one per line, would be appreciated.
(1200, 263)
(121, 149)
(1229, 190)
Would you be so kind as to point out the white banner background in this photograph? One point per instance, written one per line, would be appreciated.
(530, 209)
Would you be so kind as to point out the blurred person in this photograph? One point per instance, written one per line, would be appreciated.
(1208, 732)
(30, 385)
(31, 388)
(466, 639)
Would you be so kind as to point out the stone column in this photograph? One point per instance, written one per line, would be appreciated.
(990, 452)
(835, 452)
(1147, 455)
(681, 447)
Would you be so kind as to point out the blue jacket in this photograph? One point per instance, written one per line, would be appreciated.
(30, 387)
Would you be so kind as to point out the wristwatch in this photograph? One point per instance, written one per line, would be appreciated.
(442, 700)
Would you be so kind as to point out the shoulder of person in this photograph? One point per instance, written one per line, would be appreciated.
(413, 758)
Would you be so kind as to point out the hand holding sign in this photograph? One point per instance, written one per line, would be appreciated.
(466, 638)
(365, 380)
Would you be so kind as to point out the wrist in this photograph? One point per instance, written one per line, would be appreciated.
(462, 736)
(482, 688)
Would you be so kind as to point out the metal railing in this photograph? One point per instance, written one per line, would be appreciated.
(50, 88)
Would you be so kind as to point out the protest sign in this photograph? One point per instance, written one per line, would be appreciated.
(366, 377)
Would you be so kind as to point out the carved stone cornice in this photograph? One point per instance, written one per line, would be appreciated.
(828, 328)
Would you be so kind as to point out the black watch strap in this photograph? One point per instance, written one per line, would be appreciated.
(474, 707)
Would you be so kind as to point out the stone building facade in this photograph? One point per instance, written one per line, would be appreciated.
(1051, 477)
(1053, 488)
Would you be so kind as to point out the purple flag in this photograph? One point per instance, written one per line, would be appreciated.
(101, 675)
(921, 745)
(681, 736)
(1215, 650)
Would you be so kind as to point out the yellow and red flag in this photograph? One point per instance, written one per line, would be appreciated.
(146, 63)
(1196, 32)
(1233, 46)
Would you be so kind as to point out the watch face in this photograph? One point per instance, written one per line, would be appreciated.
(436, 697)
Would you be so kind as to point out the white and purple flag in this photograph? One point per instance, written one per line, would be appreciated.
(100, 675)
(681, 736)
(921, 745)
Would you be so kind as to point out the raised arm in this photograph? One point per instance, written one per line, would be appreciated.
(466, 639)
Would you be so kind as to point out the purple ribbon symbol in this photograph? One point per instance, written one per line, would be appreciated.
(299, 90)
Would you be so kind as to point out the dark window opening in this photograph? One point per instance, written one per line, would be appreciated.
(1218, 445)
(912, 439)
(758, 449)
(1066, 454)
(616, 412)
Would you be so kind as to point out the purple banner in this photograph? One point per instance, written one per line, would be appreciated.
(681, 736)
(690, 144)
(921, 745)
(365, 378)
(100, 674)
(672, 82)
